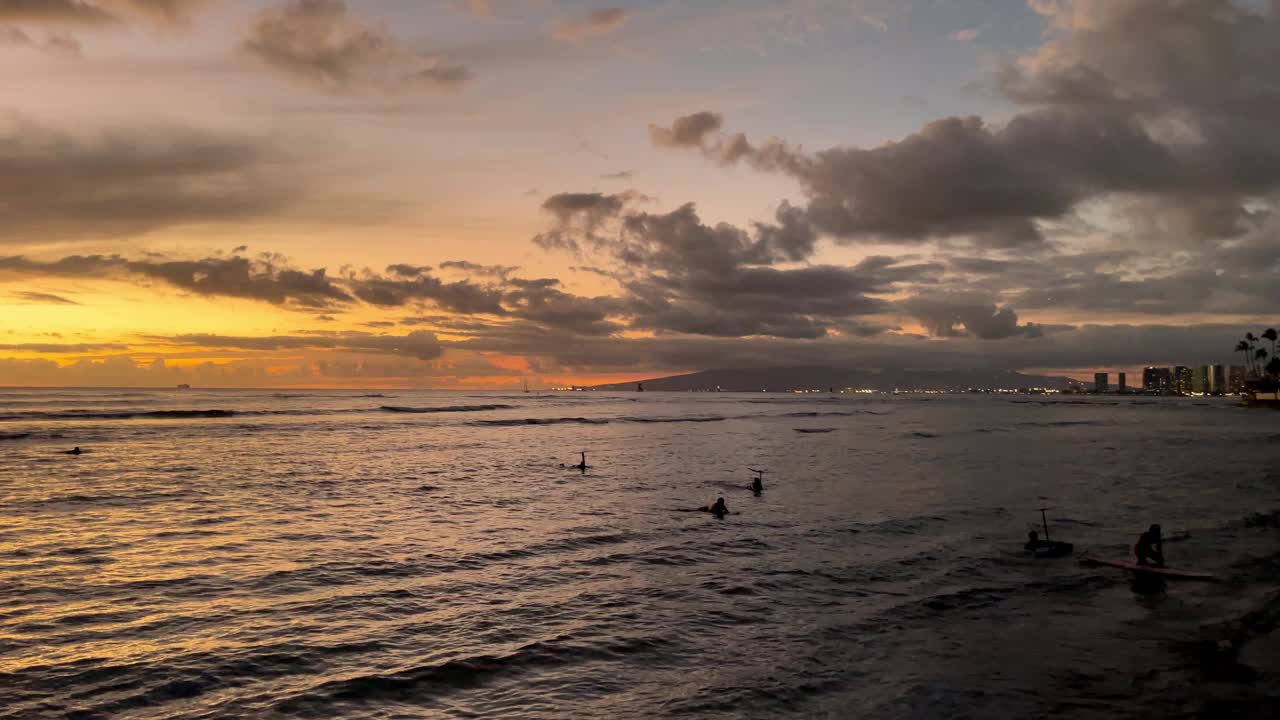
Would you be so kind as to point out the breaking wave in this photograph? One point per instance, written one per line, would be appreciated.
(446, 408)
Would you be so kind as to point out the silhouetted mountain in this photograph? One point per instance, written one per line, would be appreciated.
(821, 378)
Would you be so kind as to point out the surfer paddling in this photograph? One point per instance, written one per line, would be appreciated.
(1150, 548)
(757, 482)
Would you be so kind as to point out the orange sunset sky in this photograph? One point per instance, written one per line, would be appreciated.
(442, 194)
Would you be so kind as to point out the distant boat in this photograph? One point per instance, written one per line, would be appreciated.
(184, 386)
(526, 386)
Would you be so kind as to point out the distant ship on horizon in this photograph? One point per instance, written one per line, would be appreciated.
(183, 386)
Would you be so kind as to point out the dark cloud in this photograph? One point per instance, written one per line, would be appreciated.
(55, 11)
(541, 301)
(466, 266)
(408, 287)
(1170, 101)
(420, 345)
(265, 279)
(600, 22)
(64, 348)
(687, 131)
(681, 275)
(318, 43)
(579, 216)
(59, 185)
(959, 315)
(453, 324)
(97, 12)
(40, 298)
(671, 241)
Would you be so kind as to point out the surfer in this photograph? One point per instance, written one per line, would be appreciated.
(719, 509)
(1150, 547)
(580, 466)
(76, 451)
(1046, 547)
(757, 485)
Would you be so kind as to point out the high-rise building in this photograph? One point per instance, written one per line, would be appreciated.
(1236, 376)
(1151, 379)
(1182, 380)
(1217, 379)
(1200, 380)
(1120, 384)
(1100, 383)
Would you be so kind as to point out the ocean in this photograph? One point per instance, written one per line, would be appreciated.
(319, 554)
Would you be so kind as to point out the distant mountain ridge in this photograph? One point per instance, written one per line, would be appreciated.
(789, 379)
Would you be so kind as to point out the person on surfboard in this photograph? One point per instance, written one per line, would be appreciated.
(1047, 548)
(1150, 547)
(1035, 543)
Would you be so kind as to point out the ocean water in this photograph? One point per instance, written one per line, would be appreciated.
(250, 554)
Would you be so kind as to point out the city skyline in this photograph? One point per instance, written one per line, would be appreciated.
(363, 193)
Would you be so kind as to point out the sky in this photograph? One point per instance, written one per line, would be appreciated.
(483, 193)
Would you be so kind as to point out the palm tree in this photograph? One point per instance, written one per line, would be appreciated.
(1252, 340)
(1261, 355)
(1272, 335)
(1243, 347)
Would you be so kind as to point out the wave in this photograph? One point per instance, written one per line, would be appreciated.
(120, 415)
(14, 436)
(139, 414)
(850, 413)
(287, 396)
(690, 419)
(814, 430)
(443, 677)
(541, 421)
(446, 408)
(1062, 423)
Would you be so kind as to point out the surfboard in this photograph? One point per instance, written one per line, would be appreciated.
(1149, 570)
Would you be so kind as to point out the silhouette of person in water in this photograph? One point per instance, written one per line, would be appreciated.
(1034, 542)
(580, 466)
(76, 451)
(757, 484)
(1150, 547)
(719, 509)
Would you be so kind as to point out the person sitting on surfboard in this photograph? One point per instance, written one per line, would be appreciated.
(1150, 548)
(1035, 543)
(757, 485)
